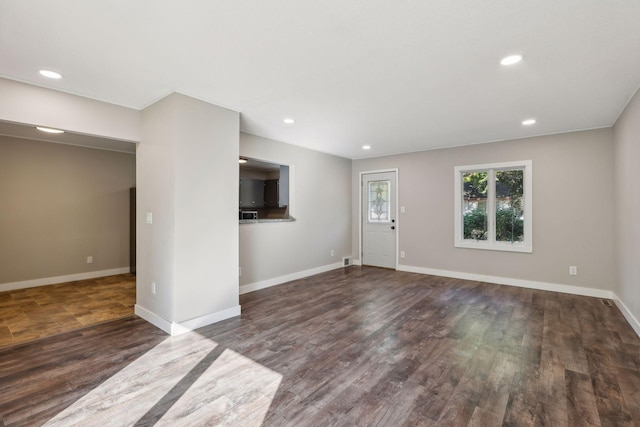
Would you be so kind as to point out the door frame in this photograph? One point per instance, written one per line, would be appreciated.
(397, 218)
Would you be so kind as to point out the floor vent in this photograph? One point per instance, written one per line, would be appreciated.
(606, 302)
(346, 262)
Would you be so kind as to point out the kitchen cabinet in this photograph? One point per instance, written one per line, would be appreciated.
(251, 193)
(271, 191)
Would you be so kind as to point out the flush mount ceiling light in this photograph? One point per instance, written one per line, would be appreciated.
(511, 59)
(50, 74)
(528, 122)
(366, 147)
(49, 130)
(288, 121)
(241, 160)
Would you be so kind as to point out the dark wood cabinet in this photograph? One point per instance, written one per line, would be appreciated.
(271, 192)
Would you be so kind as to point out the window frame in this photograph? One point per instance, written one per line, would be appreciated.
(491, 244)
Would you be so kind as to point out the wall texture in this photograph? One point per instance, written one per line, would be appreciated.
(60, 204)
(572, 219)
(187, 159)
(320, 200)
(627, 207)
(24, 103)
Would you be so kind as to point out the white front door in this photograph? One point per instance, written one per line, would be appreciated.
(379, 219)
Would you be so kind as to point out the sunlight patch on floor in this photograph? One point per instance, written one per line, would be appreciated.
(185, 380)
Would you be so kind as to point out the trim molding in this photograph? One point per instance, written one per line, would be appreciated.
(208, 319)
(173, 328)
(356, 262)
(635, 324)
(153, 318)
(61, 279)
(244, 289)
(543, 286)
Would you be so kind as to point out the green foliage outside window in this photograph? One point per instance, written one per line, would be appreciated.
(509, 206)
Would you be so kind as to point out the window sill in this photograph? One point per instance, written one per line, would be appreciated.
(505, 247)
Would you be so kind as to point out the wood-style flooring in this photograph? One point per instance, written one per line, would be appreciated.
(354, 346)
(32, 313)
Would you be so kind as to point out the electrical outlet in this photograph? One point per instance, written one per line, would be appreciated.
(333, 253)
(89, 260)
(401, 254)
(153, 288)
(149, 218)
(573, 270)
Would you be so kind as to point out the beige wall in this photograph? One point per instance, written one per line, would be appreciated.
(321, 203)
(627, 207)
(60, 204)
(572, 218)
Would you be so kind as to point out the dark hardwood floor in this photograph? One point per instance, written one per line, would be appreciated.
(355, 346)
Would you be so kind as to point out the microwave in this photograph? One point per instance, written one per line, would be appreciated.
(248, 214)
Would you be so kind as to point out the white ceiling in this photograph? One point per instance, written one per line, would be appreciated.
(400, 76)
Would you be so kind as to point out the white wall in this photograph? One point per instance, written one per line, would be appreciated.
(23, 103)
(627, 207)
(572, 221)
(320, 201)
(188, 155)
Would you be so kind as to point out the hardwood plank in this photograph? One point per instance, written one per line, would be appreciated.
(355, 346)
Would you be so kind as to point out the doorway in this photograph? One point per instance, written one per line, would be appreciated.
(378, 223)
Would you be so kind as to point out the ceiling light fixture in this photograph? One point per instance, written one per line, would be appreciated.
(366, 147)
(50, 74)
(49, 130)
(511, 59)
(288, 121)
(529, 122)
(241, 160)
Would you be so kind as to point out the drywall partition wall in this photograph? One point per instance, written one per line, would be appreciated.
(189, 250)
(320, 199)
(155, 196)
(61, 204)
(206, 239)
(627, 207)
(23, 103)
(572, 215)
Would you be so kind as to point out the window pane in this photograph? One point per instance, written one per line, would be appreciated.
(474, 205)
(379, 201)
(509, 206)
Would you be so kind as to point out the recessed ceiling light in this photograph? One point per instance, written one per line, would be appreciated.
(512, 59)
(289, 121)
(241, 160)
(49, 130)
(529, 122)
(366, 147)
(50, 74)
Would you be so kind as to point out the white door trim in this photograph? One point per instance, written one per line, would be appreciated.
(396, 171)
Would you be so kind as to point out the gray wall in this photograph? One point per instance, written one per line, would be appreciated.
(321, 203)
(187, 159)
(60, 204)
(627, 207)
(572, 219)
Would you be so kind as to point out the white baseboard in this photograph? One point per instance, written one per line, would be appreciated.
(153, 318)
(543, 286)
(356, 262)
(174, 328)
(287, 278)
(61, 279)
(635, 324)
(199, 322)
